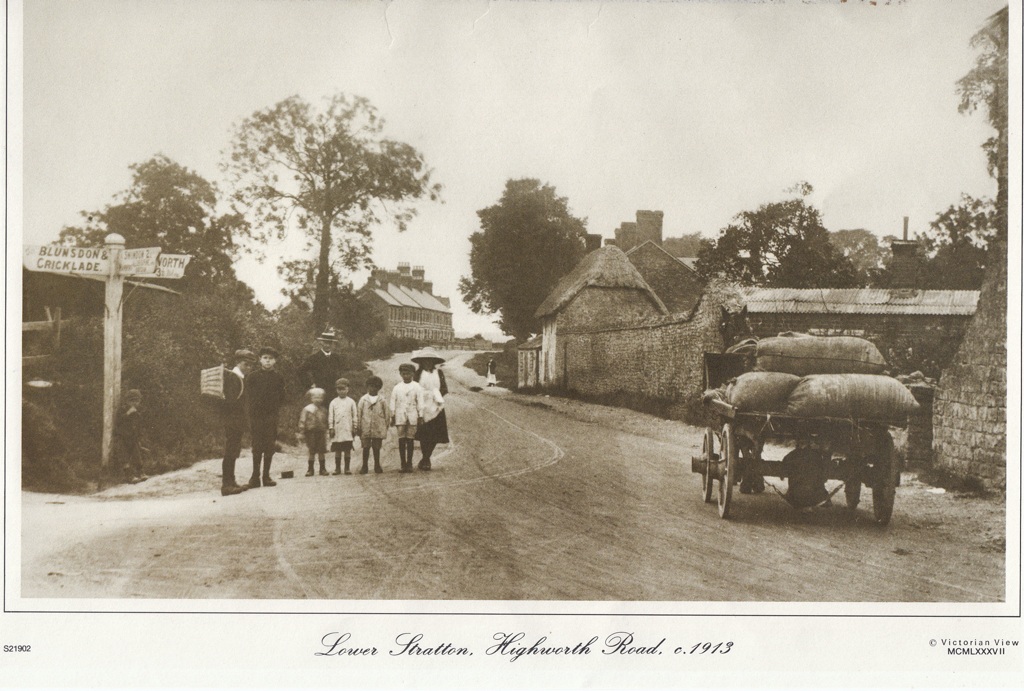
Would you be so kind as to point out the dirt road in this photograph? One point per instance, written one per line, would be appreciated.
(536, 499)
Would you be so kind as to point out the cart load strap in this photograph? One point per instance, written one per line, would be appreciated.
(857, 396)
(764, 392)
(801, 355)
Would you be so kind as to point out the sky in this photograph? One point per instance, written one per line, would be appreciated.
(701, 110)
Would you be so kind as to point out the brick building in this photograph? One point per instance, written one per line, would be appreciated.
(646, 228)
(407, 305)
(915, 329)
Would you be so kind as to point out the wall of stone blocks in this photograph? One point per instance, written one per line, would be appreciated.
(969, 413)
(659, 358)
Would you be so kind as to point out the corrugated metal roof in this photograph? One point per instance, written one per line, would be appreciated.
(860, 301)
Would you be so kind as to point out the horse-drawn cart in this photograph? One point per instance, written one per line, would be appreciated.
(859, 452)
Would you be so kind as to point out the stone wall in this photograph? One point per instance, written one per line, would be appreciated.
(969, 421)
(659, 358)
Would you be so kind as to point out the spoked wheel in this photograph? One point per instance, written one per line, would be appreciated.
(710, 466)
(887, 477)
(726, 470)
(852, 489)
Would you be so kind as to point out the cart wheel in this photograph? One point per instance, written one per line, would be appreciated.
(726, 470)
(887, 477)
(852, 489)
(708, 478)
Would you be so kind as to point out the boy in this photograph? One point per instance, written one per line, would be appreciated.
(405, 414)
(265, 389)
(233, 416)
(313, 425)
(129, 436)
(341, 425)
(373, 423)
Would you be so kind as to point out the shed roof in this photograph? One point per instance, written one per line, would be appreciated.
(684, 262)
(607, 267)
(860, 301)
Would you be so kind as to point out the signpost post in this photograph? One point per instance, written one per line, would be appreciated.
(113, 262)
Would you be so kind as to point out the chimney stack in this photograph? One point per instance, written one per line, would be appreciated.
(403, 268)
(648, 226)
(906, 264)
(593, 242)
(906, 223)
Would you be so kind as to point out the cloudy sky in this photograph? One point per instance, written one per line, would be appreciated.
(701, 110)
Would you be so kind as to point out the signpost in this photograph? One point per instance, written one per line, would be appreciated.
(113, 262)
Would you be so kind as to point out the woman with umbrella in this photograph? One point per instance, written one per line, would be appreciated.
(434, 429)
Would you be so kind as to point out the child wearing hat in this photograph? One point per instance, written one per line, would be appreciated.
(405, 414)
(313, 425)
(373, 423)
(341, 425)
(265, 389)
(128, 433)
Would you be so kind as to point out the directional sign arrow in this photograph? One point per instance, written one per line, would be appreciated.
(67, 260)
(138, 261)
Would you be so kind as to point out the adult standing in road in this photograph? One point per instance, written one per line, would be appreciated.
(434, 429)
(323, 368)
(233, 415)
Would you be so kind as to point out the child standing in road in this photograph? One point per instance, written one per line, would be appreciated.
(373, 423)
(313, 425)
(405, 414)
(129, 436)
(341, 425)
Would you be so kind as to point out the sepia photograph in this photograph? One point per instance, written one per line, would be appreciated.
(631, 343)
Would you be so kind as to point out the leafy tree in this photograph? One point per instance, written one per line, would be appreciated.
(172, 207)
(354, 318)
(526, 242)
(954, 251)
(862, 248)
(687, 245)
(987, 84)
(781, 244)
(331, 174)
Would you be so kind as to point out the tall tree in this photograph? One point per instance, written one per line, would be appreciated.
(987, 84)
(526, 242)
(781, 244)
(330, 174)
(862, 248)
(168, 206)
(954, 250)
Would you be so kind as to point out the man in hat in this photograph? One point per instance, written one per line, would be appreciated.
(265, 393)
(234, 418)
(323, 367)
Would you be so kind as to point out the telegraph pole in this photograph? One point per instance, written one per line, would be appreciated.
(112, 312)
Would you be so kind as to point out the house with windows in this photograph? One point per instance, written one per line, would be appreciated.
(406, 303)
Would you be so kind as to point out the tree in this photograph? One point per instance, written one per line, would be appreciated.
(172, 207)
(355, 319)
(780, 244)
(955, 249)
(526, 242)
(330, 174)
(987, 84)
(863, 250)
(687, 245)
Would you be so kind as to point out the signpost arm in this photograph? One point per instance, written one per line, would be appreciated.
(111, 347)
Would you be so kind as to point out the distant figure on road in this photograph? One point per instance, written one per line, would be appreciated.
(341, 425)
(313, 425)
(434, 428)
(323, 368)
(128, 433)
(233, 415)
(266, 396)
(374, 418)
(492, 372)
(405, 414)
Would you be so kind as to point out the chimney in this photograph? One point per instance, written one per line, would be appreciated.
(418, 272)
(648, 225)
(626, 236)
(593, 242)
(403, 268)
(905, 261)
(428, 287)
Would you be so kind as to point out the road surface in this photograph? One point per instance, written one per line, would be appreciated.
(536, 499)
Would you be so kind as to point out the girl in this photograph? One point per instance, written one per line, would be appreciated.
(434, 428)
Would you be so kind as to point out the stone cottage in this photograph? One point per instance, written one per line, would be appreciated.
(604, 288)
